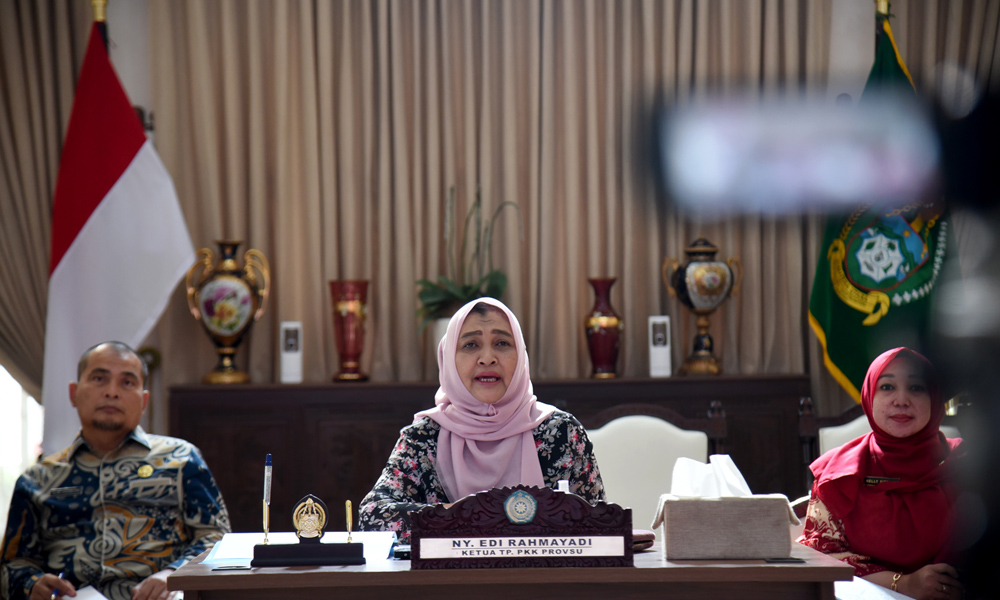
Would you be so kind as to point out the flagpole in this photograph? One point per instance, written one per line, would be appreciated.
(100, 10)
(101, 18)
(881, 9)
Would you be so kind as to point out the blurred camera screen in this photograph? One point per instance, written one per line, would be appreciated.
(727, 157)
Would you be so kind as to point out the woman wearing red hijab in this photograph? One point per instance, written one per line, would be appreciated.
(882, 502)
(486, 429)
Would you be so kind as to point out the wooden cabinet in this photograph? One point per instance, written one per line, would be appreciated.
(332, 440)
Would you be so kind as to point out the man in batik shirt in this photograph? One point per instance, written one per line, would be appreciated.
(119, 509)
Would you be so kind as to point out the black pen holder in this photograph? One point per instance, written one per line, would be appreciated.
(307, 554)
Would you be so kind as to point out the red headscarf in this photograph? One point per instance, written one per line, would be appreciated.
(903, 521)
(482, 446)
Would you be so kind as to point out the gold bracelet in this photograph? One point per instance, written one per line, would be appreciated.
(895, 581)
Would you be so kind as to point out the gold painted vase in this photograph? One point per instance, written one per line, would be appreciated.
(227, 298)
(702, 285)
(604, 330)
(350, 309)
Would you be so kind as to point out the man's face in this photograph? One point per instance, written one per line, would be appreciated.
(109, 395)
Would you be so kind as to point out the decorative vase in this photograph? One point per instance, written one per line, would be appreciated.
(349, 311)
(702, 285)
(227, 299)
(604, 330)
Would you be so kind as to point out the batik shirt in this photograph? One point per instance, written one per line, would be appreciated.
(824, 532)
(410, 482)
(110, 523)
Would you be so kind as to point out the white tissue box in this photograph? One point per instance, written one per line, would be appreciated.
(750, 527)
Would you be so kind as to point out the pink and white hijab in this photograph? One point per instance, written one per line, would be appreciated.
(482, 446)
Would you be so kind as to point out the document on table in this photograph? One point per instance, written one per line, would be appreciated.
(862, 589)
(88, 593)
(236, 549)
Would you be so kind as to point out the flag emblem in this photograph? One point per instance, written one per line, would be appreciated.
(886, 261)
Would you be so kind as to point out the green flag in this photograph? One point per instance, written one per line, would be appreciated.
(878, 266)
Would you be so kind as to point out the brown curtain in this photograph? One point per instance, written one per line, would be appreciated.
(326, 134)
(41, 49)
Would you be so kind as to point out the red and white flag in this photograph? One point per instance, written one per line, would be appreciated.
(119, 240)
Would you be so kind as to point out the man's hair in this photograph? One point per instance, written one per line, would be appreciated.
(123, 349)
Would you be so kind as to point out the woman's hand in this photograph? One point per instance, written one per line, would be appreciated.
(932, 582)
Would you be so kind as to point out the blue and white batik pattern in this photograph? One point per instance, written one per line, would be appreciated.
(110, 522)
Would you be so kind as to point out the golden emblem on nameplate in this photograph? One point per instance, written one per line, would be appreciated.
(702, 285)
(227, 299)
(309, 518)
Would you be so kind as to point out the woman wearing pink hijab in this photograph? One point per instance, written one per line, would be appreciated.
(486, 429)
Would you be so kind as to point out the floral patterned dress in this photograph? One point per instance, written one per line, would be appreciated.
(410, 482)
(825, 533)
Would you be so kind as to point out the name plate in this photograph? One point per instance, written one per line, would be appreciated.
(521, 526)
(522, 546)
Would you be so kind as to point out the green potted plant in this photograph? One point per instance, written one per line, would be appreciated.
(469, 276)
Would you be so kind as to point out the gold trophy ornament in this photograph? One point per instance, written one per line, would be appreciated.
(702, 285)
(227, 299)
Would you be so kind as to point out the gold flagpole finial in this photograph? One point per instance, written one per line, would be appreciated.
(100, 10)
(882, 6)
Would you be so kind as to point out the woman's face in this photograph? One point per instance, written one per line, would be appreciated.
(902, 403)
(486, 356)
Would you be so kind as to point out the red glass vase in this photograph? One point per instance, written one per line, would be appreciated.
(349, 311)
(604, 330)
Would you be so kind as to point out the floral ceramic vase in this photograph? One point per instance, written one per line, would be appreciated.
(227, 298)
(604, 330)
(702, 285)
(350, 309)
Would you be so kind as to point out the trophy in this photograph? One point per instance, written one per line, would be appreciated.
(702, 285)
(227, 299)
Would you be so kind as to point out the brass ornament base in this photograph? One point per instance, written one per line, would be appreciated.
(350, 377)
(604, 375)
(226, 376)
(701, 365)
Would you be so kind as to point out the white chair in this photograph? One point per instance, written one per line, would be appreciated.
(838, 435)
(636, 455)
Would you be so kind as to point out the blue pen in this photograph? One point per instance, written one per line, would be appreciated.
(56, 593)
(267, 495)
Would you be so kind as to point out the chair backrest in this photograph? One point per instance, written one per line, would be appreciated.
(831, 437)
(636, 456)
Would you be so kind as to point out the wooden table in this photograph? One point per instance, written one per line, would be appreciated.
(652, 577)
